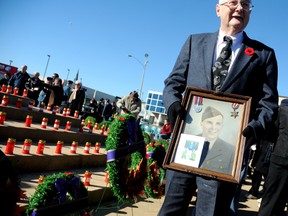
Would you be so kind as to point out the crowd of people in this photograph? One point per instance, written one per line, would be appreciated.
(51, 92)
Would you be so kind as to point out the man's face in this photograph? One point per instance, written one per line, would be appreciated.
(232, 20)
(77, 85)
(24, 68)
(211, 127)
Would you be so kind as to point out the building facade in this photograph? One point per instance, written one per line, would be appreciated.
(154, 110)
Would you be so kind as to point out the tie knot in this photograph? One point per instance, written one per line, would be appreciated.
(228, 40)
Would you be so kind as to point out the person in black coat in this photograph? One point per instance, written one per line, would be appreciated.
(260, 163)
(276, 185)
(107, 110)
(90, 109)
(19, 79)
(77, 98)
(5, 79)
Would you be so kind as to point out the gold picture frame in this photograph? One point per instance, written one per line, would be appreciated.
(209, 141)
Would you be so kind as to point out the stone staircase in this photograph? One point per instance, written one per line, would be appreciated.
(30, 166)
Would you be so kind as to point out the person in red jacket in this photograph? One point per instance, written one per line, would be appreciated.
(166, 131)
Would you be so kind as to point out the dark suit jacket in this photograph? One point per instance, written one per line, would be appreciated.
(78, 102)
(280, 154)
(251, 75)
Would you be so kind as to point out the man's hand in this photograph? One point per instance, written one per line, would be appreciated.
(249, 133)
(125, 110)
(175, 110)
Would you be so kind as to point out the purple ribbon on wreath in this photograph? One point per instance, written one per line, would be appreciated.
(115, 154)
(71, 185)
(132, 131)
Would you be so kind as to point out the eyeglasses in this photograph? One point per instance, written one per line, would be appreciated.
(234, 4)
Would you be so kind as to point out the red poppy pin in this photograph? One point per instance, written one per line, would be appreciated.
(249, 51)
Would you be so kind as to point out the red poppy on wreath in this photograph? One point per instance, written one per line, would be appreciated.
(121, 118)
(249, 51)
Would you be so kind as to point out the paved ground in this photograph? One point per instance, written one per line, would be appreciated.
(151, 207)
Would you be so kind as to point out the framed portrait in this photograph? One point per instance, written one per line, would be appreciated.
(209, 141)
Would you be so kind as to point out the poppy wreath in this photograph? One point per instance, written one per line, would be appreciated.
(155, 153)
(56, 189)
(126, 161)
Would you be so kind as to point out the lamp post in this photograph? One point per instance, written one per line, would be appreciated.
(46, 66)
(67, 75)
(144, 65)
(10, 62)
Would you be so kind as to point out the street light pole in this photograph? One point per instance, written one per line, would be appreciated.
(144, 65)
(10, 62)
(67, 75)
(46, 66)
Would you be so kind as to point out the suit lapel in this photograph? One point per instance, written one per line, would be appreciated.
(208, 50)
(240, 62)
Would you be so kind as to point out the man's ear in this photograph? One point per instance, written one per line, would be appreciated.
(218, 10)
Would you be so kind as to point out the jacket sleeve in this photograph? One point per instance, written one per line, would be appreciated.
(175, 83)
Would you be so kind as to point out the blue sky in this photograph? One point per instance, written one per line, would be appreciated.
(96, 37)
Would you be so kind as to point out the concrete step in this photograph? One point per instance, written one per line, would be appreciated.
(50, 160)
(12, 99)
(49, 134)
(20, 114)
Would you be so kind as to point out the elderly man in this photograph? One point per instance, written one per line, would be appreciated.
(76, 99)
(224, 61)
(130, 104)
(19, 79)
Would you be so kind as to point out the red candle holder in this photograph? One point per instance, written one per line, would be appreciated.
(73, 148)
(68, 112)
(3, 88)
(40, 147)
(87, 178)
(49, 107)
(41, 108)
(106, 180)
(26, 146)
(19, 103)
(59, 146)
(25, 93)
(82, 125)
(96, 126)
(28, 121)
(76, 114)
(2, 117)
(10, 146)
(97, 147)
(87, 147)
(4, 100)
(56, 124)
(44, 123)
(68, 125)
(54, 111)
(16, 91)
(9, 89)
(41, 179)
(64, 111)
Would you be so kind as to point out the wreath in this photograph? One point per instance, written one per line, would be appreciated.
(56, 189)
(126, 161)
(156, 174)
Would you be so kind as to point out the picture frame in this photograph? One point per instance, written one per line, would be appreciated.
(208, 141)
